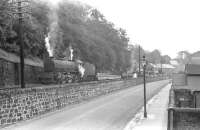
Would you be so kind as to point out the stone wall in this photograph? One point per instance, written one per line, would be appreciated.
(185, 109)
(184, 98)
(22, 104)
(186, 121)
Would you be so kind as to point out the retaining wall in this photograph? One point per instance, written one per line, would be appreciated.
(22, 104)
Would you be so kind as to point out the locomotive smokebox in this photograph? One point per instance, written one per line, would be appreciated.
(48, 64)
(51, 57)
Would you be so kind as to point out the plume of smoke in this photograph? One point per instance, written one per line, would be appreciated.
(52, 38)
(49, 49)
(53, 29)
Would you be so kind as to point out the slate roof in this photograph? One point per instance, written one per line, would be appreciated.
(164, 66)
(15, 59)
(195, 60)
(192, 69)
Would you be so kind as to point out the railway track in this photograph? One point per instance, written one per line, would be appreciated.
(103, 80)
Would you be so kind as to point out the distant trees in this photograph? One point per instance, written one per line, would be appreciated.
(154, 57)
(166, 59)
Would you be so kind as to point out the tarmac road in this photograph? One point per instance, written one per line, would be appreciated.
(110, 112)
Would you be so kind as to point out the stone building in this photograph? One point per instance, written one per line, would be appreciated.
(184, 103)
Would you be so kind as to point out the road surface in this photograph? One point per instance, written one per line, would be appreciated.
(110, 112)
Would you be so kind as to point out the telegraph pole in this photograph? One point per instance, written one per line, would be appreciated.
(21, 44)
(20, 10)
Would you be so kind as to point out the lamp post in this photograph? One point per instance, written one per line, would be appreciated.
(139, 61)
(144, 64)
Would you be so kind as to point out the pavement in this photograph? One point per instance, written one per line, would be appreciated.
(108, 112)
(156, 113)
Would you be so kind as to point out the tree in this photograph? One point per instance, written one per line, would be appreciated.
(34, 30)
(6, 31)
(165, 59)
(154, 57)
(93, 38)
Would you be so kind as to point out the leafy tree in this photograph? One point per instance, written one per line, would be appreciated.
(34, 30)
(6, 32)
(93, 38)
(155, 56)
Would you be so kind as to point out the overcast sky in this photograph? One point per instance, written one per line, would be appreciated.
(167, 25)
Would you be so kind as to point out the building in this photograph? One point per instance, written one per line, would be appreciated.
(184, 103)
(163, 68)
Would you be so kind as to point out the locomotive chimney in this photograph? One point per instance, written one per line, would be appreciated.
(51, 57)
(71, 53)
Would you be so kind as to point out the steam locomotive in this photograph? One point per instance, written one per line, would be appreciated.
(66, 71)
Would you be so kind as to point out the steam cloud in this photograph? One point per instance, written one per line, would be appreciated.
(71, 52)
(81, 70)
(52, 37)
(48, 46)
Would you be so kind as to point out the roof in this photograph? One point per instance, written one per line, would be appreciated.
(15, 59)
(196, 54)
(187, 87)
(195, 60)
(174, 62)
(164, 66)
(153, 65)
(192, 69)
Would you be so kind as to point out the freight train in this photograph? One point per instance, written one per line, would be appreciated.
(66, 71)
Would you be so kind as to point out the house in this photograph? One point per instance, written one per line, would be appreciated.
(184, 99)
(164, 68)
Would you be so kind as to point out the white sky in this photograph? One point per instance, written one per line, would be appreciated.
(167, 25)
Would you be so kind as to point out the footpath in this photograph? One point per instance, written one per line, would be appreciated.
(156, 113)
